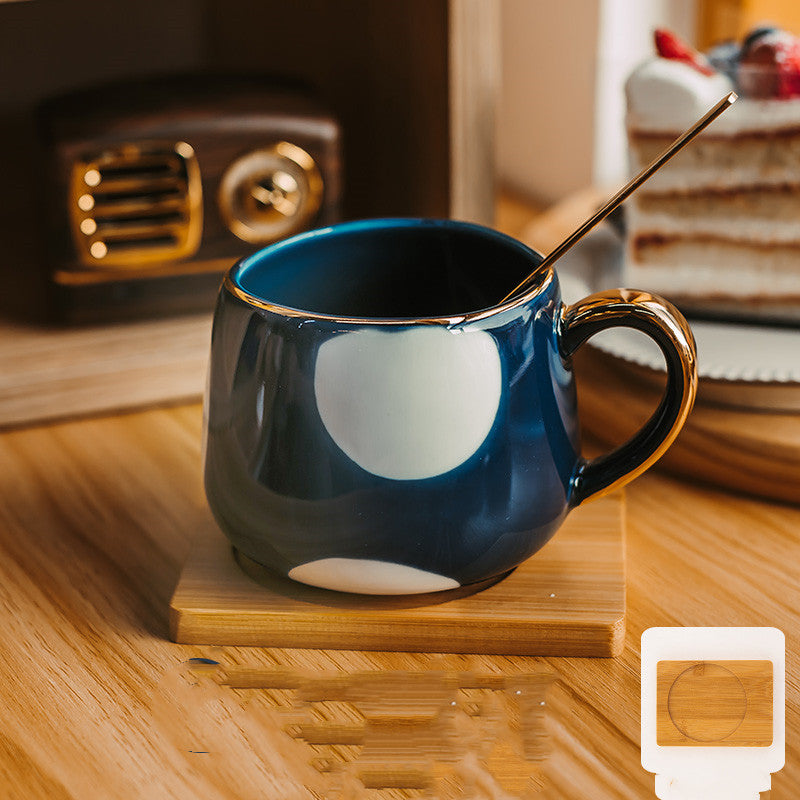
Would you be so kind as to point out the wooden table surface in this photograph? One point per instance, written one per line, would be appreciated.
(96, 519)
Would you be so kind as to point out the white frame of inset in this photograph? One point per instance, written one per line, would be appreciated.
(747, 767)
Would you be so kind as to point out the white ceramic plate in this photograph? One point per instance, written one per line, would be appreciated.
(738, 364)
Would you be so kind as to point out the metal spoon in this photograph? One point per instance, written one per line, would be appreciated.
(627, 190)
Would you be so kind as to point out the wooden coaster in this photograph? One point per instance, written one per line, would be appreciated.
(719, 703)
(566, 600)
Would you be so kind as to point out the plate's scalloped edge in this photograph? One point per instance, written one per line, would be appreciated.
(574, 265)
(715, 372)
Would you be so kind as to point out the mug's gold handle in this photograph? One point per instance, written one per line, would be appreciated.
(661, 321)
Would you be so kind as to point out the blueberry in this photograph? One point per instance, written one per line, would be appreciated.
(756, 34)
(724, 57)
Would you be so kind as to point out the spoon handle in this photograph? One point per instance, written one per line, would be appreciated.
(627, 190)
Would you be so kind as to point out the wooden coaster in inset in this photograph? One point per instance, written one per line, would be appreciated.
(566, 600)
(719, 703)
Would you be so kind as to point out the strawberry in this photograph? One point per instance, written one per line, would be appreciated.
(770, 67)
(668, 45)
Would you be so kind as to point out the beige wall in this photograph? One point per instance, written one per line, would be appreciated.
(561, 108)
(546, 105)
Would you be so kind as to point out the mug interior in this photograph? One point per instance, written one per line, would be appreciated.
(405, 268)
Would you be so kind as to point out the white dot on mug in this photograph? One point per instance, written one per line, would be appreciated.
(412, 404)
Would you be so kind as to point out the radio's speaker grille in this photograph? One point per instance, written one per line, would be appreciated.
(134, 204)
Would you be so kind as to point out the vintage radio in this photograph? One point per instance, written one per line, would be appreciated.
(156, 187)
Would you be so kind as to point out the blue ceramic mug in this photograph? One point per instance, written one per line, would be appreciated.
(378, 423)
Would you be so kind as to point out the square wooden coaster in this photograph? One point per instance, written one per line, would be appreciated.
(566, 600)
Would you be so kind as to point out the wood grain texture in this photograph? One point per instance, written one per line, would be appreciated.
(720, 703)
(755, 452)
(96, 521)
(568, 599)
(50, 373)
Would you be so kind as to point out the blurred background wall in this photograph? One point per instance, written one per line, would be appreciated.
(561, 106)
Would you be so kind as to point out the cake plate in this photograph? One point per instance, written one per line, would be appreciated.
(744, 432)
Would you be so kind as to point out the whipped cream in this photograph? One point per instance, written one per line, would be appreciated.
(668, 95)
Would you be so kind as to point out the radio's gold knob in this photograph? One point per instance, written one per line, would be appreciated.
(269, 194)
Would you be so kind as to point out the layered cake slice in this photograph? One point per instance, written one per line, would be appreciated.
(717, 230)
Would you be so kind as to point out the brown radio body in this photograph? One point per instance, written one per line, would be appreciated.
(156, 187)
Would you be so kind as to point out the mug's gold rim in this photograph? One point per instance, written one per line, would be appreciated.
(545, 280)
